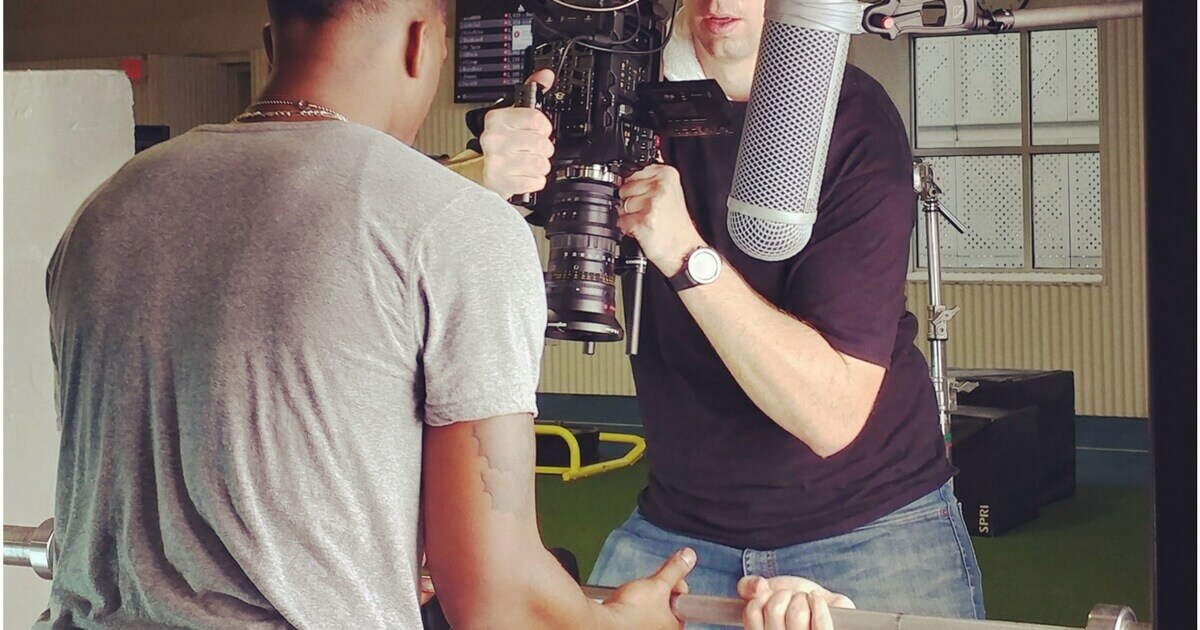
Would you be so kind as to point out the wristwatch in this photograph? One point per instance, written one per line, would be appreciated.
(701, 266)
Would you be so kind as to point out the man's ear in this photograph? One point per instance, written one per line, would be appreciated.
(416, 48)
(269, 45)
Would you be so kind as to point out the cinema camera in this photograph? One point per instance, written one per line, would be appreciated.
(608, 108)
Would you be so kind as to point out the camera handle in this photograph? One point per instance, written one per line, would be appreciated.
(635, 262)
(527, 95)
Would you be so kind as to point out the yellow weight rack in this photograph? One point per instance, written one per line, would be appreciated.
(574, 470)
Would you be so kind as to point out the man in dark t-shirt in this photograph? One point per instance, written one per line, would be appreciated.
(790, 421)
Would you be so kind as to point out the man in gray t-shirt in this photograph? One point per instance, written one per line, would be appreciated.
(251, 363)
(288, 345)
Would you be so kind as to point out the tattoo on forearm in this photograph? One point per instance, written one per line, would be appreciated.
(509, 459)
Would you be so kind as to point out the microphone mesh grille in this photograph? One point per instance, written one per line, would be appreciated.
(789, 120)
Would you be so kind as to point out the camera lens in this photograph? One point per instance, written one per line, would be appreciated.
(581, 281)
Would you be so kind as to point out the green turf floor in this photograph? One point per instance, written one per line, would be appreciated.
(1092, 548)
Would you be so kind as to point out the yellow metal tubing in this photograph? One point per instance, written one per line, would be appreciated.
(574, 470)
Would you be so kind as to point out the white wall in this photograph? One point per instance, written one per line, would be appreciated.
(65, 132)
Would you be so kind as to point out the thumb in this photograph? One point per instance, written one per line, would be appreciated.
(675, 568)
(837, 600)
(545, 76)
(750, 586)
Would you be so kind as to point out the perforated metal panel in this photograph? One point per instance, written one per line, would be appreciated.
(1048, 75)
(934, 78)
(1051, 212)
(1086, 233)
(986, 193)
(989, 79)
(1084, 78)
(1066, 211)
(968, 91)
(1064, 79)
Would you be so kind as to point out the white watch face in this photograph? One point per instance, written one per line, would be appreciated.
(704, 265)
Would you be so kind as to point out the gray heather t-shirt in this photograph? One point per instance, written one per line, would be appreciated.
(251, 324)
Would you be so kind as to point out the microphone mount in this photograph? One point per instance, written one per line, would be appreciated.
(893, 18)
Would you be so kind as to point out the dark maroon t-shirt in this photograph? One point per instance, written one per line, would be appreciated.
(720, 469)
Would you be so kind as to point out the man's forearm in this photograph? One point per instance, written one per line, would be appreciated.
(482, 545)
(785, 366)
(533, 592)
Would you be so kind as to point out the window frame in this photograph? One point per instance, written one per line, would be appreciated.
(1026, 151)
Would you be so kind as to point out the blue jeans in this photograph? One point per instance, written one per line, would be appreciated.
(916, 560)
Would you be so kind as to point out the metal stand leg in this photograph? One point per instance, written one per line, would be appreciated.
(634, 262)
(939, 314)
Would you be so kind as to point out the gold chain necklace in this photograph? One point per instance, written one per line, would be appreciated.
(303, 108)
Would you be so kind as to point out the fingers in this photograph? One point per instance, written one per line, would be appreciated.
(545, 76)
(516, 145)
(516, 151)
(794, 583)
(791, 582)
(635, 216)
(637, 188)
(799, 584)
(517, 118)
(527, 165)
(786, 610)
(427, 590)
(502, 141)
(752, 614)
(634, 205)
(788, 603)
(652, 171)
(821, 617)
(627, 226)
(510, 175)
(672, 572)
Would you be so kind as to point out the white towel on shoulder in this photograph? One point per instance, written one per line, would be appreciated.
(679, 56)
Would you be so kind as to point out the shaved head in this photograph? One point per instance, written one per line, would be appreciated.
(376, 62)
(319, 10)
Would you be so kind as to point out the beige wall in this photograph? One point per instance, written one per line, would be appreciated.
(62, 29)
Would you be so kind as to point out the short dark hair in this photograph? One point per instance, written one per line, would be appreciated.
(318, 10)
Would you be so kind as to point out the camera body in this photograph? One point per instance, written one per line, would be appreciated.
(608, 108)
(593, 104)
(601, 58)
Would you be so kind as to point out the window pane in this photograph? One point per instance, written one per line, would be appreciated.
(1065, 87)
(1066, 211)
(986, 194)
(968, 91)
